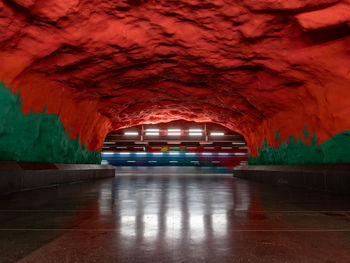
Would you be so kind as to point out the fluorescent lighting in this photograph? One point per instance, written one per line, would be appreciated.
(104, 162)
(240, 153)
(194, 162)
(175, 132)
(152, 130)
(238, 143)
(152, 134)
(131, 161)
(225, 148)
(206, 153)
(217, 134)
(174, 153)
(196, 130)
(124, 153)
(141, 153)
(215, 161)
(108, 153)
(195, 134)
(173, 161)
(109, 142)
(152, 161)
(190, 153)
(223, 153)
(157, 153)
(131, 133)
(209, 147)
(122, 147)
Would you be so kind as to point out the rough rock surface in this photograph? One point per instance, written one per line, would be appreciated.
(254, 66)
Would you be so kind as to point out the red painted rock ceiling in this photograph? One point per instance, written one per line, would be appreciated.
(252, 65)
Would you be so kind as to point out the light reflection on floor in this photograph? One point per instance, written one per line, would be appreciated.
(178, 215)
(151, 207)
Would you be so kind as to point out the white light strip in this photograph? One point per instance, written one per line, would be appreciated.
(195, 134)
(109, 142)
(157, 153)
(131, 133)
(215, 161)
(152, 134)
(223, 153)
(238, 143)
(190, 153)
(174, 130)
(121, 147)
(240, 153)
(174, 153)
(131, 161)
(209, 147)
(108, 153)
(207, 154)
(152, 161)
(225, 148)
(194, 162)
(217, 134)
(173, 161)
(152, 130)
(196, 130)
(124, 153)
(141, 153)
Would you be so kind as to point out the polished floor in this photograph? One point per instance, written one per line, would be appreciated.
(173, 214)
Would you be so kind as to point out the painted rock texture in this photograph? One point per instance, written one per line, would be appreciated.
(255, 66)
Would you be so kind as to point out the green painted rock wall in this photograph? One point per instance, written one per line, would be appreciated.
(304, 150)
(36, 137)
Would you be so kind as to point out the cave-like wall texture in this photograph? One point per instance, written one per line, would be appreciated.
(254, 66)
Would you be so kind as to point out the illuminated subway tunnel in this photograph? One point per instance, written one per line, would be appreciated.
(176, 143)
(254, 67)
(202, 83)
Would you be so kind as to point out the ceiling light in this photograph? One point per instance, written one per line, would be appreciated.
(108, 153)
(217, 134)
(131, 133)
(152, 134)
(195, 130)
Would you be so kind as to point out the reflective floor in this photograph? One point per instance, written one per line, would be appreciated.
(174, 215)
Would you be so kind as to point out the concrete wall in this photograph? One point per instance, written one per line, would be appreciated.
(324, 177)
(18, 176)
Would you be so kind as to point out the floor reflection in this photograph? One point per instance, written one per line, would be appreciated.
(172, 217)
(173, 208)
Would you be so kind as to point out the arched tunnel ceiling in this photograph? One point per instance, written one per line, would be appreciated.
(252, 65)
